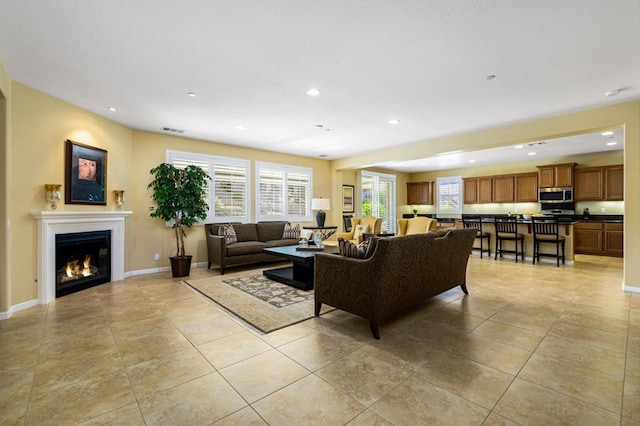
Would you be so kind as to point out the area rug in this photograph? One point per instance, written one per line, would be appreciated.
(265, 304)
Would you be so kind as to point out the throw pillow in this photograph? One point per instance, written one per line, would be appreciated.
(291, 232)
(364, 250)
(359, 230)
(228, 233)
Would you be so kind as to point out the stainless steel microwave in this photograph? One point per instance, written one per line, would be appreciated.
(555, 195)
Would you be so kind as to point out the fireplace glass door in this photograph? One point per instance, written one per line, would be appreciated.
(83, 260)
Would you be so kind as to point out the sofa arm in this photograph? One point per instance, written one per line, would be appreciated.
(345, 235)
(216, 251)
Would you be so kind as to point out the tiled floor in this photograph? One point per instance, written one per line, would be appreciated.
(530, 345)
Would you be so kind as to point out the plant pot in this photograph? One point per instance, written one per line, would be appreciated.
(180, 266)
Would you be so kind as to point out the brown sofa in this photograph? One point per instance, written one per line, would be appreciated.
(252, 238)
(402, 272)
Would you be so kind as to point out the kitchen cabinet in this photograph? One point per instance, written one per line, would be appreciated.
(503, 189)
(478, 190)
(526, 188)
(420, 193)
(556, 175)
(604, 239)
(599, 183)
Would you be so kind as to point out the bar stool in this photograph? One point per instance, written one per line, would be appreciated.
(547, 231)
(507, 229)
(474, 221)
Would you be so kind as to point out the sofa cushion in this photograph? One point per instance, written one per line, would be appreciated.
(291, 231)
(246, 232)
(359, 230)
(364, 250)
(228, 233)
(267, 231)
(245, 247)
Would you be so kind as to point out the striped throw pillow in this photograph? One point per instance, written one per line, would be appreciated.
(364, 250)
(291, 232)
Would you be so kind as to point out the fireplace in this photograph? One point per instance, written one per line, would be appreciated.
(54, 223)
(83, 260)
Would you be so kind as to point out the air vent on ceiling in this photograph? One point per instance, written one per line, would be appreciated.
(537, 143)
(172, 130)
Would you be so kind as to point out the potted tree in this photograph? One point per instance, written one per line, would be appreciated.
(179, 197)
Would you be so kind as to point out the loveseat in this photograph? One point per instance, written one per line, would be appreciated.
(401, 272)
(251, 239)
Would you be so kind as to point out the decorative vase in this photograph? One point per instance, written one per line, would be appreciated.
(317, 239)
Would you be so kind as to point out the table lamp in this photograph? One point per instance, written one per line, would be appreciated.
(320, 204)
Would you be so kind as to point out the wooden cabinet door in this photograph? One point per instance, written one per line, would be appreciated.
(485, 190)
(526, 190)
(614, 239)
(420, 193)
(470, 191)
(614, 183)
(588, 238)
(563, 175)
(503, 189)
(589, 184)
(546, 177)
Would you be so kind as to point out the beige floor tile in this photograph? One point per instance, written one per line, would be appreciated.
(497, 420)
(209, 330)
(64, 370)
(310, 401)
(319, 349)
(135, 350)
(500, 356)
(473, 381)
(366, 374)
(632, 367)
(199, 402)
(167, 371)
(418, 402)
(245, 417)
(233, 348)
(407, 348)
(579, 382)
(263, 374)
(80, 401)
(525, 318)
(466, 306)
(132, 329)
(458, 320)
(529, 404)
(575, 352)
(287, 334)
(505, 333)
(590, 319)
(631, 400)
(197, 314)
(129, 415)
(606, 339)
(369, 418)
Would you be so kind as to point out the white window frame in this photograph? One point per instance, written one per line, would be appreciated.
(285, 171)
(211, 162)
(389, 223)
(446, 203)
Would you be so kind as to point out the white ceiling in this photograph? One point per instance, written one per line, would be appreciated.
(250, 63)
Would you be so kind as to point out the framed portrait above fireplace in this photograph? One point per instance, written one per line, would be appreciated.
(85, 174)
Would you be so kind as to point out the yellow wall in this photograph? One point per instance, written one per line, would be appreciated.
(38, 124)
(5, 89)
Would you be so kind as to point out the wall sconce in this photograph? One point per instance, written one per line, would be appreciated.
(118, 195)
(53, 194)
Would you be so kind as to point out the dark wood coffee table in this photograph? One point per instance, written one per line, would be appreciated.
(300, 274)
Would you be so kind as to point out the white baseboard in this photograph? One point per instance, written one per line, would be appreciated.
(632, 289)
(19, 307)
(162, 269)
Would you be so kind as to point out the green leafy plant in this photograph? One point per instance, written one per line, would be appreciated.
(179, 197)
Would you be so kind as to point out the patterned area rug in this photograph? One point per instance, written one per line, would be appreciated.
(265, 304)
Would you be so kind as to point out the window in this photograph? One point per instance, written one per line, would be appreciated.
(229, 199)
(378, 195)
(284, 192)
(449, 193)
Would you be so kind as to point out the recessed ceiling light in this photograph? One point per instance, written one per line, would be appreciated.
(609, 133)
(394, 121)
(472, 161)
(191, 95)
(112, 109)
(531, 153)
(612, 143)
(240, 127)
(319, 125)
(313, 92)
(519, 146)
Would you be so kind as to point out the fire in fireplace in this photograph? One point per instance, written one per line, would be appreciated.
(83, 260)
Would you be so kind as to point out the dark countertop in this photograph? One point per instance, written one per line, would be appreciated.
(566, 219)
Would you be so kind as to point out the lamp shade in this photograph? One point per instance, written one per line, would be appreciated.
(320, 204)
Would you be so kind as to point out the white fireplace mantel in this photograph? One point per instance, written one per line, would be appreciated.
(51, 223)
